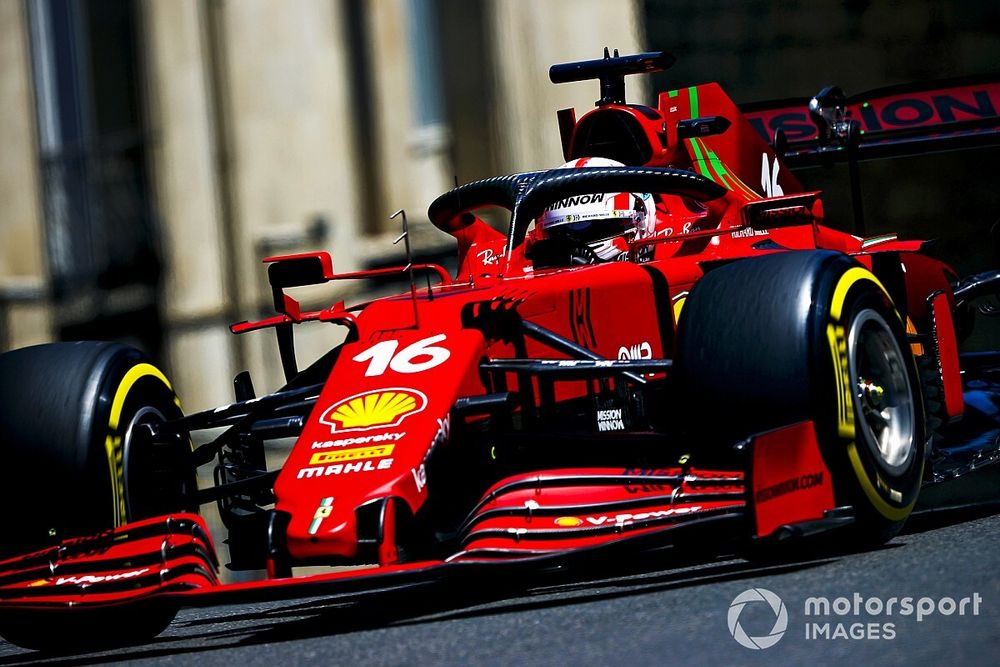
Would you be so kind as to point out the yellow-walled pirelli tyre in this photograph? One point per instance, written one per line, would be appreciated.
(772, 340)
(75, 462)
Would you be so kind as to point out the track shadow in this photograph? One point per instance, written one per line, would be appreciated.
(318, 618)
(942, 517)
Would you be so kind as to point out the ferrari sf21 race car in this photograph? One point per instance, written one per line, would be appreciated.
(745, 379)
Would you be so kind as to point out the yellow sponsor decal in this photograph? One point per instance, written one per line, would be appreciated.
(568, 521)
(373, 409)
(355, 454)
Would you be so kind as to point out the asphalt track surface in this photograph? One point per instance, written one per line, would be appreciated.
(649, 616)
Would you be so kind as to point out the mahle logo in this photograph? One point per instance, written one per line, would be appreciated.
(373, 409)
(757, 595)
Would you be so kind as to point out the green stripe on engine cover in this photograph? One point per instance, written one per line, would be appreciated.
(693, 98)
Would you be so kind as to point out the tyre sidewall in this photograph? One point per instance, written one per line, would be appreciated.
(882, 498)
(64, 452)
(131, 386)
(754, 353)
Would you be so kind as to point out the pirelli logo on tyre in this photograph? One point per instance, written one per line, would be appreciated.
(379, 408)
(845, 405)
(355, 454)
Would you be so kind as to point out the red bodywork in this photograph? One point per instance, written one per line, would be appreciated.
(386, 408)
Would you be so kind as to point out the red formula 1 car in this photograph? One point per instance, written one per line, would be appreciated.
(747, 377)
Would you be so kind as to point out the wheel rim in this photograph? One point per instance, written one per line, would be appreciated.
(883, 397)
(146, 415)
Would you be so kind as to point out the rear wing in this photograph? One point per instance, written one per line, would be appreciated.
(896, 121)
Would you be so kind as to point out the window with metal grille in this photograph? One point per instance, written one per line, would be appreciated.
(100, 235)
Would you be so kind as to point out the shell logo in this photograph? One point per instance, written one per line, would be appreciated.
(568, 521)
(379, 408)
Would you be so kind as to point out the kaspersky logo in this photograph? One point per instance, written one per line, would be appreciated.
(379, 408)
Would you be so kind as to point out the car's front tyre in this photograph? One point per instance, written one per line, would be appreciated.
(75, 463)
(769, 341)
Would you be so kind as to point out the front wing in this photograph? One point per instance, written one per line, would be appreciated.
(521, 526)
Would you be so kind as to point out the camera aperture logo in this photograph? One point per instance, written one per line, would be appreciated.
(851, 618)
(757, 595)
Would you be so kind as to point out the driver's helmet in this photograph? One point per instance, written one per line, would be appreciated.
(606, 222)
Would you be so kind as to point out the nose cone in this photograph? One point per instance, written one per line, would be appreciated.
(328, 531)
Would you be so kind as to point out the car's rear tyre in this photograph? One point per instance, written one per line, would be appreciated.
(75, 461)
(773, 340)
